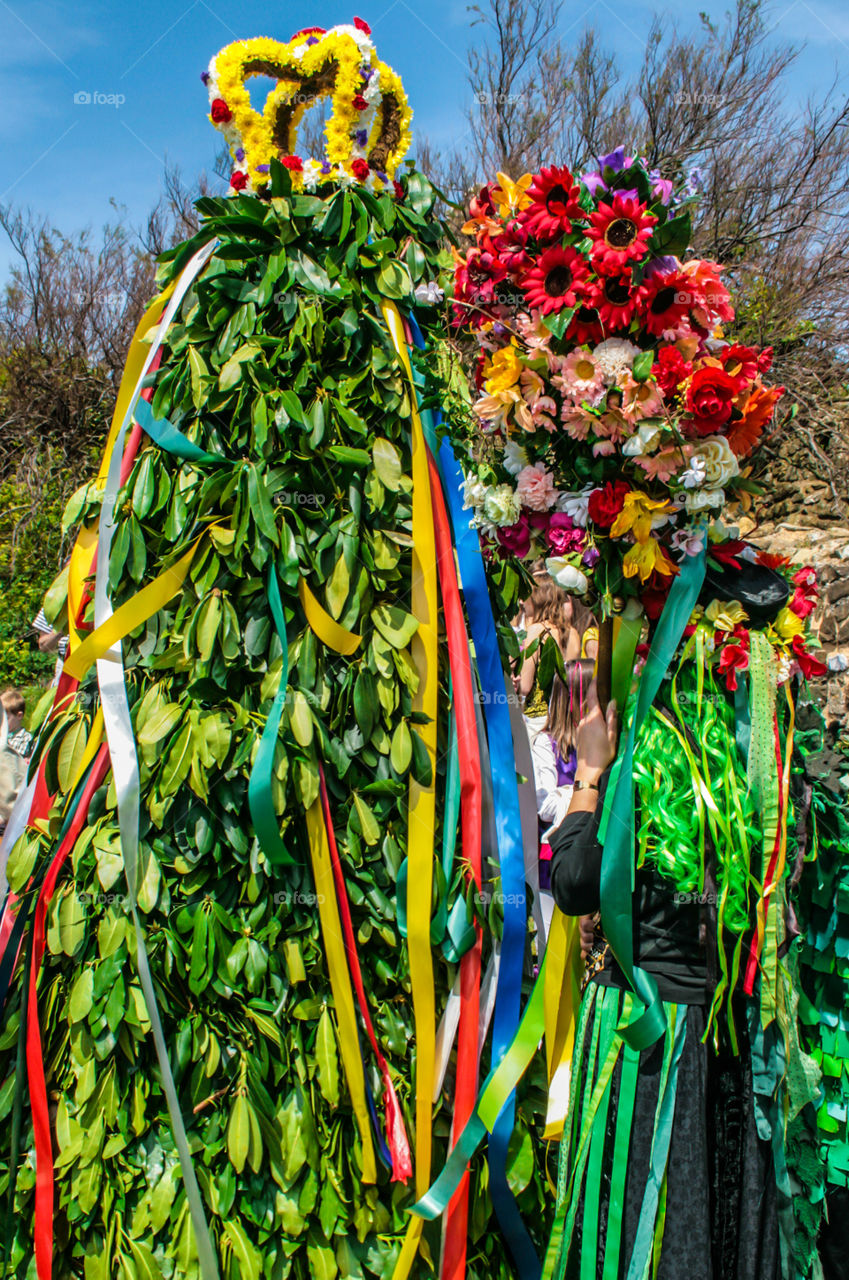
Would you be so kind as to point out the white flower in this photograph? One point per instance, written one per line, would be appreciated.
(687, 541)
(429, 293)
(566, 575)
(576, 506)
(311, 174)
(615, 357)
(717, 459)
(474, 492)
(701, 499)
(514, 457)
(501, 506)
(784, 666)
(641, 441)
(695, 475)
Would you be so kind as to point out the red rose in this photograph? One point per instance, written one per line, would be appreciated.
(359, 102)
(398, 189)
(295, 163)
(362, 25)
(238, 180)
(515, 538)
(220, 112)
(360, 169)
(670, 369)
(605, 504)
(710, 398)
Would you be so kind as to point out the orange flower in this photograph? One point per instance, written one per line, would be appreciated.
(770, 560)
(745, 433)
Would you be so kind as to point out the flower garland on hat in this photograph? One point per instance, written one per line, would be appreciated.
(367, 133)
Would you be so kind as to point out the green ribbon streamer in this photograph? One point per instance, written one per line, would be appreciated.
(622, 665)
(170, 438)
(616, 832)
(619, 1172)
(260, 801)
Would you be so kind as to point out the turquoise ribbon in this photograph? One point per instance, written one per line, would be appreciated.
(260, 802)
(617, 828)
(170, 438)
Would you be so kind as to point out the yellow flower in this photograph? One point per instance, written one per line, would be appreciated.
(637, 514)
(505, 368)
(725, 614)
(788, 624)
(510, 197)
(646, 557)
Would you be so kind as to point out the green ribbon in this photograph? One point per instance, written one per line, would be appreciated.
(616, 831)
(170, 438)
(622, 664)
(260, 800)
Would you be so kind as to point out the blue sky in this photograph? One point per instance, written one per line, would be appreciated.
(69, 160)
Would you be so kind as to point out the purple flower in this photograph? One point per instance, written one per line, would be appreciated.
(382, 176)
(661, 187)
(695, 181)
(593, 182)
(240, 154)
(361, 137)
(204, 75)
(615, 160)
(516, 538)
(312, 39)
(367, 73)
(325, 166)
(591, 557)
(263, 168)
(664, 263)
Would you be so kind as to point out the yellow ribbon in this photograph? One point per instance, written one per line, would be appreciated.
(81, 555)
(340, 982)
(327, 630)
(422, 800)
(143, 605)
(561, 1000)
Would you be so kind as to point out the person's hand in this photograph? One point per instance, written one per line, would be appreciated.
(587, 931)
(595, 741)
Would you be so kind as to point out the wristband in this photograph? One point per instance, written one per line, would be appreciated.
(582, 785)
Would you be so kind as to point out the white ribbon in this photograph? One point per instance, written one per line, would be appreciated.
(125, 772)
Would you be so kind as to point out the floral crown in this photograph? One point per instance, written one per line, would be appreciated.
(367, 133)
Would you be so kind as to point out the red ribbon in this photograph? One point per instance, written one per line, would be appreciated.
(396, 1134)
(35, 1056)
(466, 1085)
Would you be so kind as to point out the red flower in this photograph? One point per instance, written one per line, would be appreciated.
(238, 180)
(605, 504)
(666, 299)
(309, 31)
(584, 326)
(812, 668)
(732, 658)
(359, 102)
(765, 360)
(510, 246)
(740, 363)
(556, 280)
(724, 553)
(360, 169)
(554, 195)
(772, 561)
(745, 431)
(474, 284)
(563, 535)
(398, 189)
(295, 163)
(620, 232)
(670, 370)
(805, 596)
(709, 399)
(220, 112)
(362, 25)
(515, 538)
(614, 300)
(654, 593)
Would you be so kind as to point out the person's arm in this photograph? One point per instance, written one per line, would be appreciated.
(552, 799)
(48, 641)
(528, 670)
(575, 850)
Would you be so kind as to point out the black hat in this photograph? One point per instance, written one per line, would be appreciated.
(762, 592)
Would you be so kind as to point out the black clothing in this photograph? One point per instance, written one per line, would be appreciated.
(670, 940)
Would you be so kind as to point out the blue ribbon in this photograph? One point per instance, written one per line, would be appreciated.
(511, 854)
(169, 438)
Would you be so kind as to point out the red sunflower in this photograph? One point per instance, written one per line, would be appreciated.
(665, 301)
(620, 232)
(740, 363)
(614, 300)
(556, 281)
(584, 327)
(554, 204)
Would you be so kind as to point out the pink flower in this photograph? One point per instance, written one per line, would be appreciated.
(580, 377)
(603, 449)
(576, 422)
(563, 535)
(665, 464)
(641, 399)
(535, 488)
